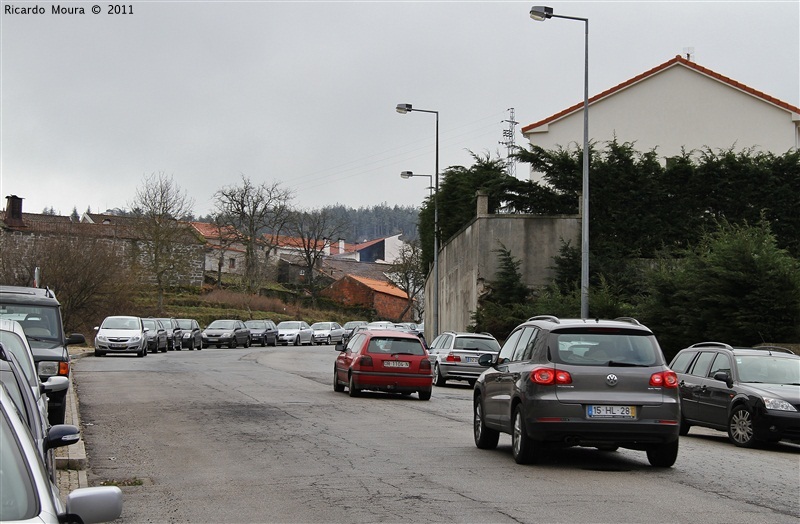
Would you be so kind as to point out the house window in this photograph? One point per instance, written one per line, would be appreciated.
(302, 272)
(231, 263)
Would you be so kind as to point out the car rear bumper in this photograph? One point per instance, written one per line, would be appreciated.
(392, 381)
(464, 372)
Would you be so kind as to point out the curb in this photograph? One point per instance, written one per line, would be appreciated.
(70, 461)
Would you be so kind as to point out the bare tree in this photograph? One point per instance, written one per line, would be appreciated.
(314, 229)
(259, 214)
(159, 204)
(408, 274)
(227, 236)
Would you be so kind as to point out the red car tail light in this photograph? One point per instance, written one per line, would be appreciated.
(453, 358)
(550, 376)
(665, 379)
(424, 364)
(365, 360)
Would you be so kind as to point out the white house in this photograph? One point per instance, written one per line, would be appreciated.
(675, 105)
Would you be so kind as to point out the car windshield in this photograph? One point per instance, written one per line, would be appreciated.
(289, 325)
(221, 324)
(38, 322)
(395, 346)
(768, 369)
(321, 325)
(17, 498)
(13, 344)
(150, 324)
(610, 347)
(477, 344)
(120, 323)
(185, 323)
(167, 323)
(259, 324)
(352, 325)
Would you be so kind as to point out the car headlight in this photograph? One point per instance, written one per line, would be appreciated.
(101, 338)
(47, 369)
(227, 334)
(778, 404)
(136, 338)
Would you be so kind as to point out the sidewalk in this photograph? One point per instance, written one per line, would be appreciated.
(71, 460)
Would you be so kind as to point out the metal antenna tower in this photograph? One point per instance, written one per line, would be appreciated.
(508, 141)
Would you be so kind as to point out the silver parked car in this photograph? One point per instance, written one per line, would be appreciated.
(29, 494)
(573, 382)
(327, 333)
(296, 332)
(454, 355)
(120, 334)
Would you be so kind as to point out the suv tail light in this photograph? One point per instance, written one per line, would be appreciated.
(452, 358)
(550, 376)
(665, 379)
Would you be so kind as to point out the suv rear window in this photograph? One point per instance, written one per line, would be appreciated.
(599, 348)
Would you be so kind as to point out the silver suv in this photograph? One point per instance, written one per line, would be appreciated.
(572, 382)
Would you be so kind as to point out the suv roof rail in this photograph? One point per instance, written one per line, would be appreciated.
(629, 320)
(775, 348)
(712, 344)
(550, 318)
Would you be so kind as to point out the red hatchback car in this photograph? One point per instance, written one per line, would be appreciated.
(390, 361)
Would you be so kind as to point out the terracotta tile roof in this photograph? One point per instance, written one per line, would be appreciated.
(677, 61)
(338, 268)
(381, 287)
(213, 231)
(297, 243)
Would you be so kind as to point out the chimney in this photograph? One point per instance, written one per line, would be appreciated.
(13, 216)
(341, 246)
(326, 247)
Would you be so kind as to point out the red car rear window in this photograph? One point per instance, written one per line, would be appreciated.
(393, 346)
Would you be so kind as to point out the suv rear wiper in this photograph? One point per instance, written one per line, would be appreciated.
(614, 363)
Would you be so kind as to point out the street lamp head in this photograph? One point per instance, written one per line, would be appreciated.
(406, 174)
(403, 108)
(541, 13)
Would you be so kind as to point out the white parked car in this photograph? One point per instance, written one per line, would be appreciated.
(295, 332)
(327, 333)
(120, 334)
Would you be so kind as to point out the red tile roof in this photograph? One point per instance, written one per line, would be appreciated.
(381, 287)
(213, 231)
(678, 60)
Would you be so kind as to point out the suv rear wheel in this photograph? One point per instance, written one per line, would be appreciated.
(525, 449)
(663, 455)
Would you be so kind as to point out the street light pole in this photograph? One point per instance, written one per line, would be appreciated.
(540, 14)
(409, 174)
(403, 109)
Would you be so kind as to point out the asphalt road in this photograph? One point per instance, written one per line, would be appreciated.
(259, 435)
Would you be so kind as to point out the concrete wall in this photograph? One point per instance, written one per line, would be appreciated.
(467, 261)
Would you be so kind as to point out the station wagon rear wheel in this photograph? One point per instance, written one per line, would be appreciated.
(485, 438)
(438, 379)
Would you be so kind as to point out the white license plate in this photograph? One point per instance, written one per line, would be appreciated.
(470, 360)
(596, 411)
(119, 346)
(395, 364)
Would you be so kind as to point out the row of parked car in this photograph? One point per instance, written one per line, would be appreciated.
(605, 384)
(29, 489)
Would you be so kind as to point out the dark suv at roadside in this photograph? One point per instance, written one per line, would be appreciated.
(570, 382)
(39, 314)
(751, 393)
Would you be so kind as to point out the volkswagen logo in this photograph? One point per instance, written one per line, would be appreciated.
(612, 379)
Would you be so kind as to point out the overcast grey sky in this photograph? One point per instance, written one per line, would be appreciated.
(305, 92)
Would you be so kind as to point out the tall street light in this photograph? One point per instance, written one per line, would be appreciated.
(403, 109)
(408, 174)
(540, 14)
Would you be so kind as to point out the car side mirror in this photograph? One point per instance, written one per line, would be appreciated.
(54, 384)
(723, 376)
(486, 360)
(62, 435)
(76, 338)
(339, 347)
